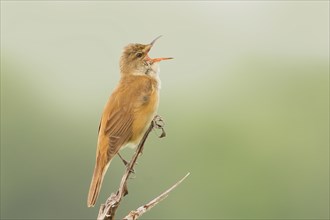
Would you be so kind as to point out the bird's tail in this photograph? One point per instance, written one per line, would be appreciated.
(94, 189)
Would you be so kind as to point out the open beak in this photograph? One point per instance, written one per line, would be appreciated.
(154, 60)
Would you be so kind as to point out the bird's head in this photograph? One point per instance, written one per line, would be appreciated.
(136, 61)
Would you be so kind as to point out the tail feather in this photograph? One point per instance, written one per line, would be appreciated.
(96, 183)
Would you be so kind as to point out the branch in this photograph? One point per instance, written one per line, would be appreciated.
(108, 210)
(133, 215)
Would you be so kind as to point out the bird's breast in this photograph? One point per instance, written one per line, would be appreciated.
(145, 113)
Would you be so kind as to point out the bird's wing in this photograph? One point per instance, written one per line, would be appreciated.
(119, 127)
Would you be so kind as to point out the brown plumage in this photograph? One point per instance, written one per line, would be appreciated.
(129, 110)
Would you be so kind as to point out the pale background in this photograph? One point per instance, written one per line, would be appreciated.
(245, 100)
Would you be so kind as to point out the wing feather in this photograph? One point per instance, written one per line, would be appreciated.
(119, 129)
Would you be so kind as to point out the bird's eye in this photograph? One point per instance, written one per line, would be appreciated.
(139, 54)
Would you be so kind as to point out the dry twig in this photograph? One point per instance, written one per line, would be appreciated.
(135, 214)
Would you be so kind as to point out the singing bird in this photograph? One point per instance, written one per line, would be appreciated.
(128, 111)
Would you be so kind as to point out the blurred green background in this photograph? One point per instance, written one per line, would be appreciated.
(245, 101)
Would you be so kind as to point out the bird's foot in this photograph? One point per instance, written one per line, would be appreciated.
(132, 171)
(158, 123)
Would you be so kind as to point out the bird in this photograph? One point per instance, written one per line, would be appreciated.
(129, 110)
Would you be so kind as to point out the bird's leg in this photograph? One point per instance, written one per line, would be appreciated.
(125, 163)
(122, 159)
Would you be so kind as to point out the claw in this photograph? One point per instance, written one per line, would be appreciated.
(159, 123)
